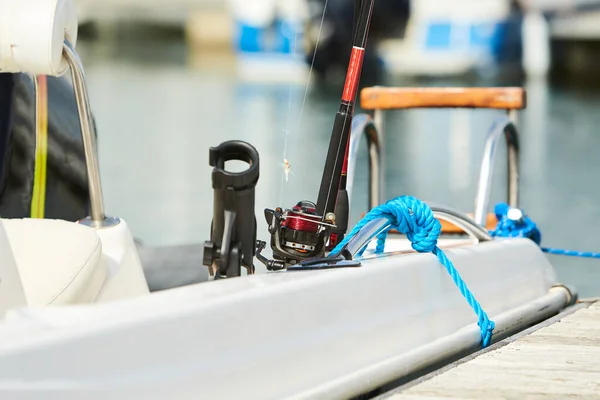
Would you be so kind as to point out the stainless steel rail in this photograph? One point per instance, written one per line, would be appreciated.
(98, 218)
(363, 125)
(371, 229)
(503, 126)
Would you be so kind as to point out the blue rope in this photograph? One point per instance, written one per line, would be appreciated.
(415, 219)
(512, 222)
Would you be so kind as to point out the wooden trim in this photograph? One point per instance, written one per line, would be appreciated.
(511, 98)
(450, 228)
(490, 224)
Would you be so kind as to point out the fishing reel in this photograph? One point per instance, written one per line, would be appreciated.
(297, 234)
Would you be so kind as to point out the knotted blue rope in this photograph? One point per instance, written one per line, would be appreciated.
(415, 219)
(512, 222)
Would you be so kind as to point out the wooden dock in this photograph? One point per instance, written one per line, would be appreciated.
(557, 359)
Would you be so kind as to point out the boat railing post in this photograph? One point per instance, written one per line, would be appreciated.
(503, 126)
(379, 120)
(364, 125)
(513, 161)
(512, 115)
(88, 132)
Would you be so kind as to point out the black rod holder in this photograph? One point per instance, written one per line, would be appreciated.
(232, 243)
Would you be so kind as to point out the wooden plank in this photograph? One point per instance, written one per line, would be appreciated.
(510, 98)
(557, 361)
(490, 224)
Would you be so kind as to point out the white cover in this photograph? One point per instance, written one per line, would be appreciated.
(58, 262)
(32, 33)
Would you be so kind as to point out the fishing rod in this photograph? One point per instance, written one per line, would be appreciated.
(337, 153)
(304, 231)
(342, 202)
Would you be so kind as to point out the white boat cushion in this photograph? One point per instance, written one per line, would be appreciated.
(59, 262)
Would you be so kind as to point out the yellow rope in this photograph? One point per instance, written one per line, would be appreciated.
(38, 197)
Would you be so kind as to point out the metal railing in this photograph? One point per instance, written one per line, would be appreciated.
(364, 125)
(98, 218)
(503, 126)
(374, 227)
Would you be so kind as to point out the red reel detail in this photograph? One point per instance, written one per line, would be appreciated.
(298, 221)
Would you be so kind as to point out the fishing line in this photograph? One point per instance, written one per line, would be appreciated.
(286, 131)
(288, 122)
(312, 64)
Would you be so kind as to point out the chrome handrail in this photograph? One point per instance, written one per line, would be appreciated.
(471, 227)
(502, 125)
(88, 133)
(363, 124)
(374, 227)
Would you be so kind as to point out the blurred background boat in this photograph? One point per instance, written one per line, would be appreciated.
(415, 38)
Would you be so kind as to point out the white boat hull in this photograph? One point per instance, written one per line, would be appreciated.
(272, 335)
